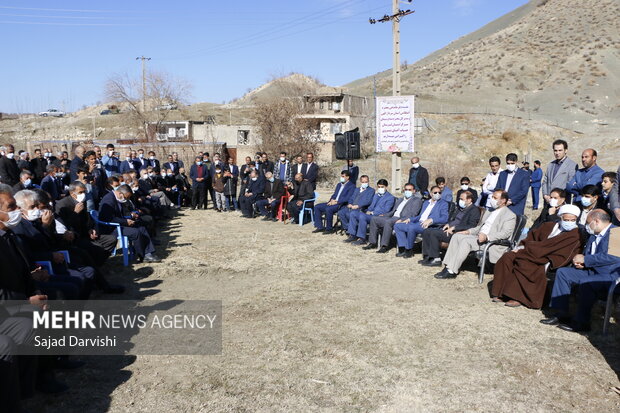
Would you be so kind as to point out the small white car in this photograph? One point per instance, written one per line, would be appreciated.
(52, 112)
(169, 106)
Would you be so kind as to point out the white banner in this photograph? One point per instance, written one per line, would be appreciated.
(395, 125)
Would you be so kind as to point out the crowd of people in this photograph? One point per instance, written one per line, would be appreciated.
(52, 208)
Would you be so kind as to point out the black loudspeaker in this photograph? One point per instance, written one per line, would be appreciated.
(348, 145)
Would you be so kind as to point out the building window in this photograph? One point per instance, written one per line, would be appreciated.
(321, 104)
(330, 105)
(336, 128)
(243, 137)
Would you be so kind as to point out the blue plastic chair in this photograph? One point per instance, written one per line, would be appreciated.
(124, 241)
(304, 208)
(46, 265)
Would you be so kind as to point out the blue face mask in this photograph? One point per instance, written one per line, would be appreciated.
(462, 204)
(408, 194)
(272, 179)
(27, 182)
(586, 202)
(568, 225)
(364, 185)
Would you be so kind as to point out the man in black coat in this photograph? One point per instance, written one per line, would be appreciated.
(25, 182)
(254, 189)
(465, 186)
(270, 199)
(300, 190)
(9, 172)
(37, 166)
(310, 170)
(354, 170)
(77, 162)
(418, 177)
(467, 217)
(265, 165)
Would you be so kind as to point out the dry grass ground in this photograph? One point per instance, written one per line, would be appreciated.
(312, 324)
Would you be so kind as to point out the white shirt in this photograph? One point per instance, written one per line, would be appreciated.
(598, 239)
(490, 182)
(584, 216)
(486, 228)
(340, 191)
(509, 180)
(557, 230)
(400, 208)
(427, 211)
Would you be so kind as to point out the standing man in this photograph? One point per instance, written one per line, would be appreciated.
(37, 166)
(231, 173)
(516, 182)
(418, 177)
(310, 170)
(297, 168)
(77, 162)
(590, 174)
(535, 181)
(110, 161)
(199, 174)
(9, 172)
(490, 182)
(559, 172)
(354, 170)
(283, 169)
(266, 165)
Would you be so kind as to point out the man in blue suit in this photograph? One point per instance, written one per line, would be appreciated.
(49, 183)
(339, 199)
(254, 189)
(516, 182)
(434, 213)
(535, 182)
(594, 266)
(129, 164)
(360, 201)
(110, 162)
(590, 174)
(199, 174)
(382, 203)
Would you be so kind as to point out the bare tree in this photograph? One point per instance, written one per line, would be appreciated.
(163, 94)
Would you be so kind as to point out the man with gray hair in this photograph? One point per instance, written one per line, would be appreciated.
(25, 181)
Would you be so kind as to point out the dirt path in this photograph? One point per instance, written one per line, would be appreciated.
(312, 324)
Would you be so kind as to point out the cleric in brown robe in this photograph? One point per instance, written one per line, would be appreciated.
(520, 275)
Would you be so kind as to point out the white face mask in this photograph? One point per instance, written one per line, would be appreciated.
(589, 230)
(15, 218)
(553, 202)
(511, 167)
(365, 185)
(121, 200)
(34, 214)
(27, 182)
(415, 165)
(140, 155)
(436, 197)
(494, 203)
(128, 158)
(381, 191)
(464, 187)
(254, 179)
(568, 225)
(282, 159)
(80, 197)
(462, 204)
(10, 155)
(152, 158)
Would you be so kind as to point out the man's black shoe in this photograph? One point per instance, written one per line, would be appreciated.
(574, 327)
(383, 250)
(350, 238)
(444, 275)
(266, 218)
(151, 258)
(424, 261)
(408, 254)
(551, 321)
(369, 247)
(329, 231)
(432, 263)
(401, 252)
(317, 230)
(360, 242)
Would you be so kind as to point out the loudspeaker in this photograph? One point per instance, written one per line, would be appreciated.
(348, 145)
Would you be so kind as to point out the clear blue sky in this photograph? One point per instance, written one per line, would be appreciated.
(59, 54)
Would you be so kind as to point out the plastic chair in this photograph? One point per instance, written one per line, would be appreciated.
(283, 205)
(610, 300)
(304, 208)
(124, 241)
(47, 265)
(510, 243)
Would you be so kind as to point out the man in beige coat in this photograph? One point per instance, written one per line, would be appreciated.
(496, 225)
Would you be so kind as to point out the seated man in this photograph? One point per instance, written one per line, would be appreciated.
(404, 208)
(557, 198)
(360, 200)
(593, 266)
(25, 181)
(300, 191)
(590, 195)
(434, 213)
(254, 188)
(495, 226)
(270, 199)
(466, 186)
(520, 275)
(382, 203)
(467, 217)
(338, 200)
(112, 210)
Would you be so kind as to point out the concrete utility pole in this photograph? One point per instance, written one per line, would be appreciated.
(397, 14)
(144, 59)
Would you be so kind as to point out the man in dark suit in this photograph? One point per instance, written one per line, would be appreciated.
(9, 172)
(254, 189)
(25, 181)
(467, 217)
(298, 166)
(360, 200)
(111, 210)
(129, 164)
(418, 177)
(171, 164)
(594, 265)
(300, 190)
(266, 165)
(516, 182)
(50, 182)
(77, 162)
(270, 199)
(153, 161)
(310, 170)
(199, 174)
(175, 158)
(339, 199)
(37, 166)
(354, 170)
(465, 187)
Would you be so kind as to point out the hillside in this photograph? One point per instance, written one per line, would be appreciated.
(294, 84)
(554, 60)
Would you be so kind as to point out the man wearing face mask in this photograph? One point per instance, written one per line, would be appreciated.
(465, 187)
(496, 225)
(199, 174)
(467, 217)
(270, 198)
(434, 212)
(9, 172)
(338, 200)
(25, 181)
(490, 182)
(50, 184)
(418, 177)
(557, 198)
(300, 190)
(404, 208)
(255, 187)
(520, 275)
(77, 162)
(590, 174)
(381, 205)
(282, 169)
(354, 170)
(217, 180)
(589, 199)
(111, 210)
(360, 201)
(594, 266)
(129, 164)
(110, 161)
(516, 182)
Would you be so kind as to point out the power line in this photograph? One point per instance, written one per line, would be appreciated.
(68, 24)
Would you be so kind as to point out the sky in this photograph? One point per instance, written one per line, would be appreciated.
(60, 54)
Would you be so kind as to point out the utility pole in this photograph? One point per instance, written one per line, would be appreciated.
(144, 59)
(397, 14)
